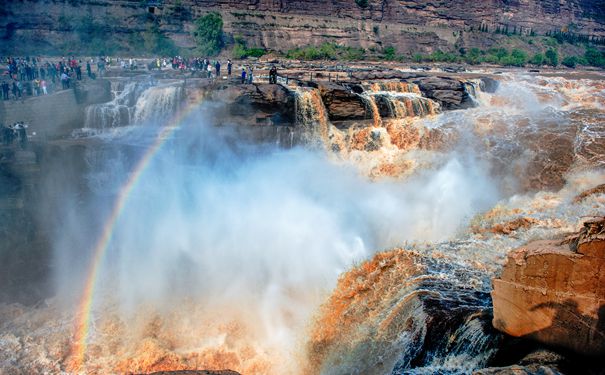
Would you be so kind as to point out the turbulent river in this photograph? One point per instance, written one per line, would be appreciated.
(367, 250)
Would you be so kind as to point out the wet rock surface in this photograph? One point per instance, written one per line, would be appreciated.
(552, 294)
(341, 102)
(448, 92)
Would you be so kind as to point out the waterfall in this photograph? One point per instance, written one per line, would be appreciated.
(157, 104)
(117, 112)
(398, 100)
(311, 114)
(133, 104)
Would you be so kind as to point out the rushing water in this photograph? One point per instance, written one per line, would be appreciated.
(259, 259)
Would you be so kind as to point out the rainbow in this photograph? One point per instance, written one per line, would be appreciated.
(83, 313)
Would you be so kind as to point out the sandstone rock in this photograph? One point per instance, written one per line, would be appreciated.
(448, 92)
(553, 295)
(541, 362)
(262, 101)
(341, 102)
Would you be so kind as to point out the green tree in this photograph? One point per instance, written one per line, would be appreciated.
(208, 34)
(537, 59)
(570, 61)
(594, 57)
(473, 56)
(389, 53)
(552, 57)
(518, 57)
(362, 3)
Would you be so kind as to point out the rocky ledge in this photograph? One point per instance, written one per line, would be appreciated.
(553, 292)
(270, 104)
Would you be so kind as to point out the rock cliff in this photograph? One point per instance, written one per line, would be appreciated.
(409, 25)
(554, 292)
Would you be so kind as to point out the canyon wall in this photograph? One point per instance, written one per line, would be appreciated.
(410, 26)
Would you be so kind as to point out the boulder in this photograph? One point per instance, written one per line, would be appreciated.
(448, 92)
(262, 101)
(551, 294)
(341, 102)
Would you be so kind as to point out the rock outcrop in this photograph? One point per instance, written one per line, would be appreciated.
(265, 103)
(448, 92)
(410, 26)
(341, 102)
(554, 292)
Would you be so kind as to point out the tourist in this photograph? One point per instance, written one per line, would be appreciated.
(17, 89)
(250, 77)
(229, 66)
(37, 87)
(7, 135)
(78, 72)
(43, 86)
(217, 66)
(273, 75)
(64, 80)
(209, 70)
(243, 75)
(20, 129)
(88, 69)
(5, 90)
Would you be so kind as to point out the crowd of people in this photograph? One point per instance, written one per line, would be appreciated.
(31, 76)
(15, 132)
(205, 67)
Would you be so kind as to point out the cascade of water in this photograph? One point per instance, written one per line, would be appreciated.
(157, 103)
(395, 86)
(371, 105)
(400, 99)
(117, 112)
(311, 114)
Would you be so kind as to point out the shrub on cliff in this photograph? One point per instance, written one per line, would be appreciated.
(537, 59)
(389, 53)
(208, 34)
(362, 3)
(570, 61)
(594, 57)
(552, 57)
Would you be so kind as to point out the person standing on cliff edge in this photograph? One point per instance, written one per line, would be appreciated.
(5, 90)
(217, 66)
(273, 75)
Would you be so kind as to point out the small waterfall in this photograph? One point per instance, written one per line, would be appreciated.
(473, 88)
(372, 107)
(311, 114)
(134, 103)
(157, 104)
(395, 86)
(119, 111)
(399, 100)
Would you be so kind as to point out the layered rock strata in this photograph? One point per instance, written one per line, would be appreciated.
(554, 292)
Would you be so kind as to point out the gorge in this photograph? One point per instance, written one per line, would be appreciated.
(349, 224)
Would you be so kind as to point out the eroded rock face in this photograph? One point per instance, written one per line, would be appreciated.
(553, 295)
(341, 102)
(450, 93)
(414, 26)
